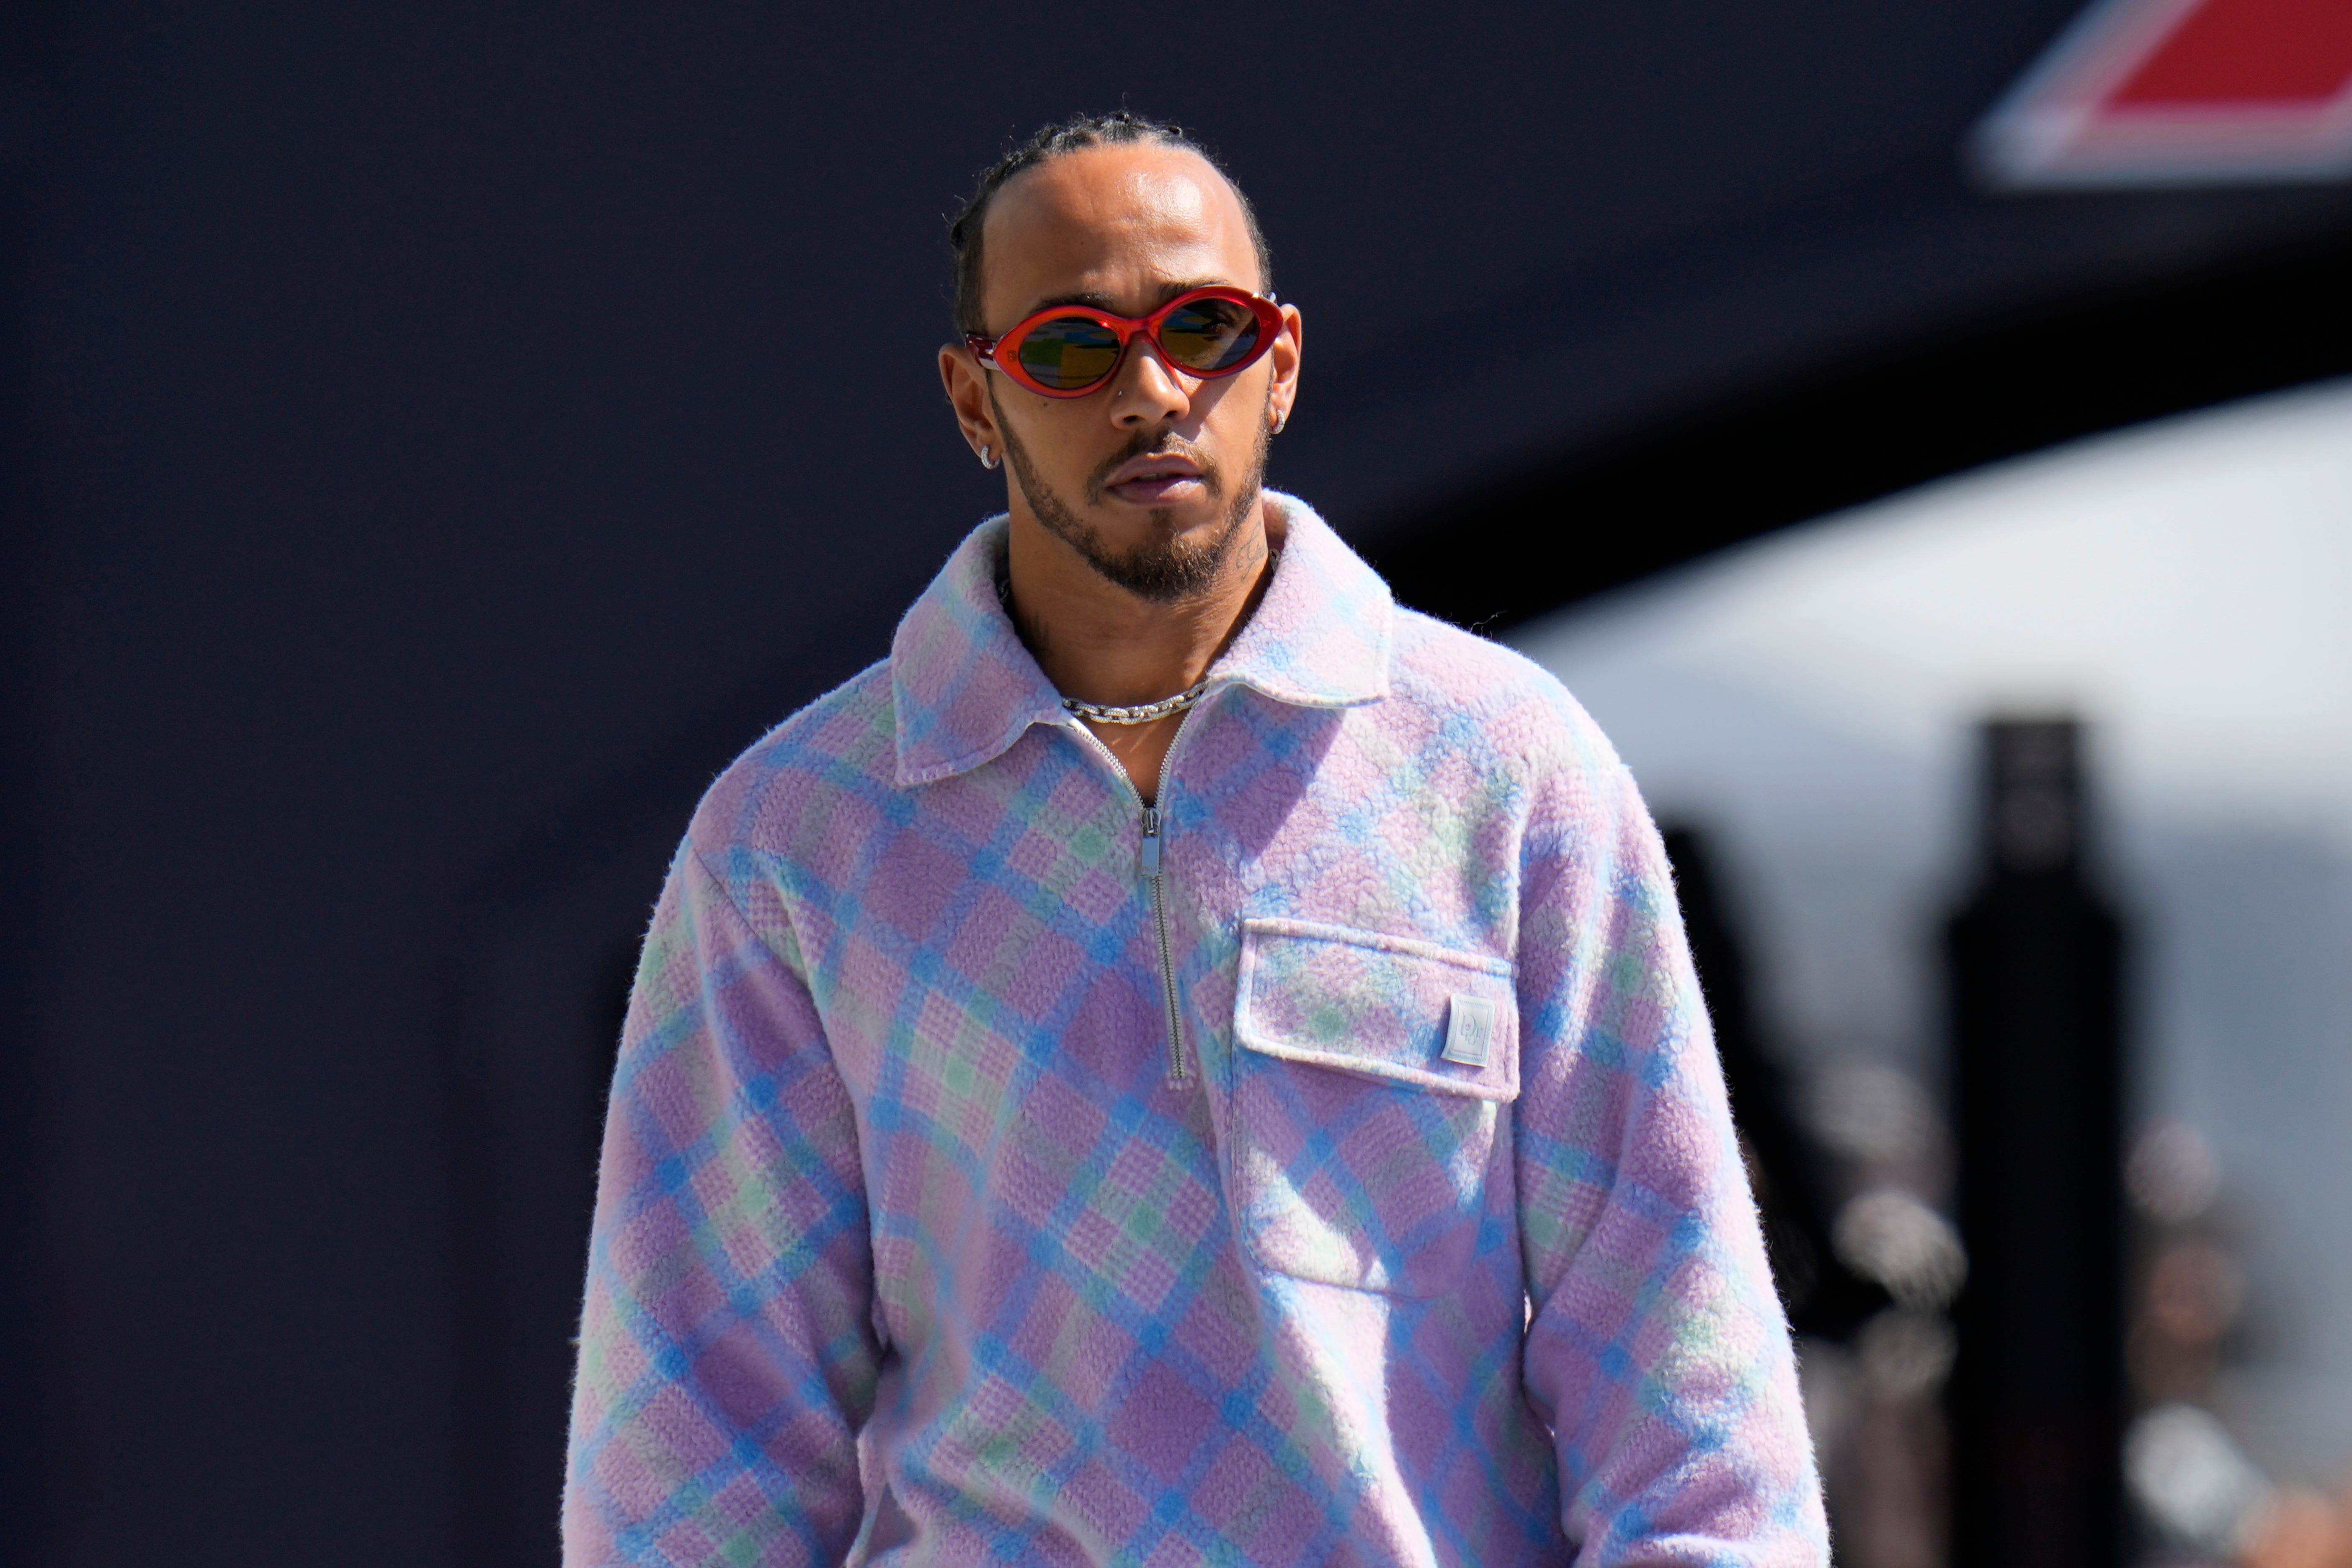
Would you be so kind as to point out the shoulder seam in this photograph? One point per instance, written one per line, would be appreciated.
(797, 970)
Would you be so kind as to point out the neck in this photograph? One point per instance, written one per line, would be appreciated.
(1099, 643)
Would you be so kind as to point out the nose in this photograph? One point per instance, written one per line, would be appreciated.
(1153, 394)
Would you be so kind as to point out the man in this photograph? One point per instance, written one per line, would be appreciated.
(1185, 1061)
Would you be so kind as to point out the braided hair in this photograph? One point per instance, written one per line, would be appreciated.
(1079, 132)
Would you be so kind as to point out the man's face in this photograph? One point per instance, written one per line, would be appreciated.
(1152, 477)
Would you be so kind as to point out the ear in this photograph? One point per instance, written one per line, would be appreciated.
(967, 386)
(1281, 396)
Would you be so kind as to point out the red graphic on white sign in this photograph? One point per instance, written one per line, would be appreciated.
(2175, 92)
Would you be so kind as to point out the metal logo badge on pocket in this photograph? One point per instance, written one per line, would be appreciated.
(1470, 1024)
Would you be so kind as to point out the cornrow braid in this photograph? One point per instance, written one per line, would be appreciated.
(1115, 129)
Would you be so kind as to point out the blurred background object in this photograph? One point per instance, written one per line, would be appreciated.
(1815, 700)
(433, 441)
(2143, 92)
(2035, 964)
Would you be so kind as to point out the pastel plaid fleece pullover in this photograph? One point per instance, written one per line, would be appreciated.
(1332, 1167)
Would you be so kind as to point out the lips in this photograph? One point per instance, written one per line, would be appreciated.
(1155, 481)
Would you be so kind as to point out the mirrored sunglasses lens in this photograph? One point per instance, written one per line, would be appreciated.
(1068, 351)
(1209, 334)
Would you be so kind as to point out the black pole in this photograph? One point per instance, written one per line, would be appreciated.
(2037, 1393)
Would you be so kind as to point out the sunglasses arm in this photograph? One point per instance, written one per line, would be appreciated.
(983, 347)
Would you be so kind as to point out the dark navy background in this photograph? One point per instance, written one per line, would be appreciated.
(436, 437)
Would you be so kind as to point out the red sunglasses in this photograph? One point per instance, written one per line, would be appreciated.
(1067, 350)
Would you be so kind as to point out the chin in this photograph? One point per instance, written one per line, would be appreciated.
(1204, 521)
(1197, 521)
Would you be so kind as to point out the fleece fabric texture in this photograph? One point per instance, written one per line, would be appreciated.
(1359, 1189)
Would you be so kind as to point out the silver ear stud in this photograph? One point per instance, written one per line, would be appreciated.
(987, 457)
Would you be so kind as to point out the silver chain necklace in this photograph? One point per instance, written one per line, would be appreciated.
(1143, 714)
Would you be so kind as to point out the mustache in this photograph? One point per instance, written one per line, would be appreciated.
(1154, 443)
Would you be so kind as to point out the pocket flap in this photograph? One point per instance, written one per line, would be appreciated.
(1388, 1005)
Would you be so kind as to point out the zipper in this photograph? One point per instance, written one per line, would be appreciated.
(1158, 878)
(1149, 861)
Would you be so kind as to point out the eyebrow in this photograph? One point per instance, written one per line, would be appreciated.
(1102, 302)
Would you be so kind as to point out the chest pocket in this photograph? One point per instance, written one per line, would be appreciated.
(1366, 1099)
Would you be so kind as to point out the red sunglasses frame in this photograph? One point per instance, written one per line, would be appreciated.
(1004, 352)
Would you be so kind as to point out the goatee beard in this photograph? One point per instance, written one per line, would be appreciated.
(1165, 569)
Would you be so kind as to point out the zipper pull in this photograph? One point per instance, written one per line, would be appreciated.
(1151, 842)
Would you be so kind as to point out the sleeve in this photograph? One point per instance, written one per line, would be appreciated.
(728, 1355)
(1656, 1347)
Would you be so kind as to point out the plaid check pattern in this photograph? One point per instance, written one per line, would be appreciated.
(915, 1243)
